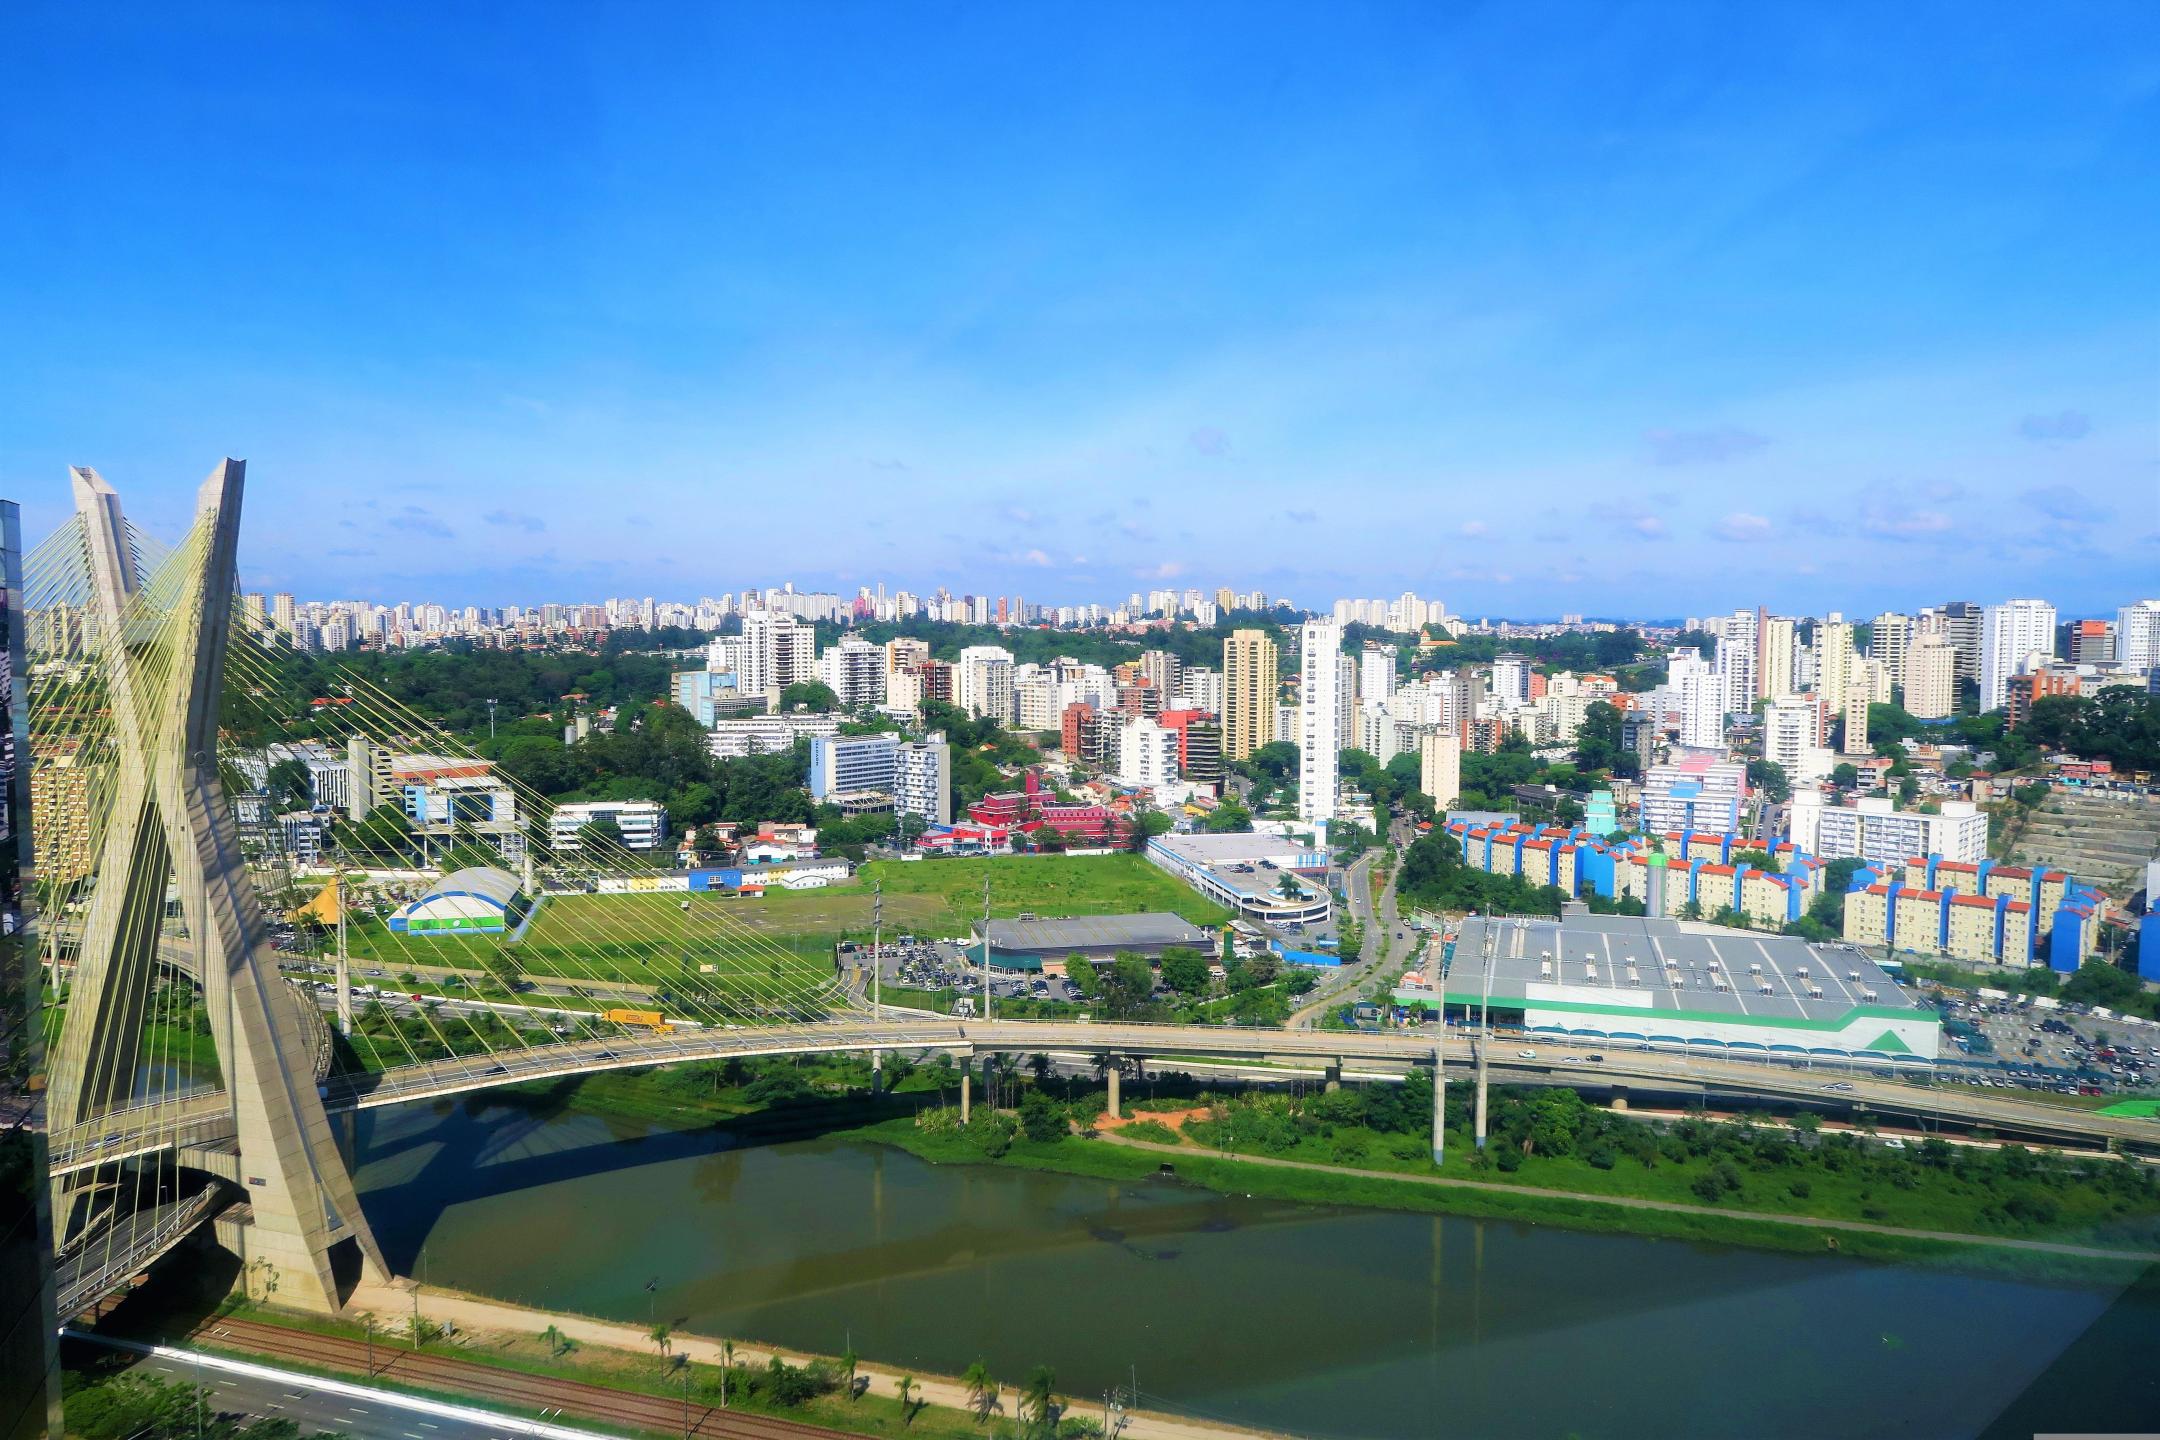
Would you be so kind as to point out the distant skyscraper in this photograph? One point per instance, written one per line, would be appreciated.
(1320, 736)
(1780, 654)
(2009, 634)
(1833, 662)
(1931, 677)
(2137, 635)
(1738, 660)
(1891, 637)
(1250, 667)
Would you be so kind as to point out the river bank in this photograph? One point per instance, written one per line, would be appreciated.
(1289, 1314)
(517, 1337)
(1819, 1213)
(1116, 1158)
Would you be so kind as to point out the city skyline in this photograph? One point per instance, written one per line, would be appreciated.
(1571, 342)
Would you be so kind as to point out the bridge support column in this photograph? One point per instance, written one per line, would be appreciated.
(1116, 1074)
(1619, 1097)
(1439, 1107)
(1333, 1080)
(967, 1082)
(877, 1072)
(1479, 1132)
(169, 828)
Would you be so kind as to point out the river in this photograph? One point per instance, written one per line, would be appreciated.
(1315, 1320)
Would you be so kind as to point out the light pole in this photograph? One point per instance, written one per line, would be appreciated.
(491, 719)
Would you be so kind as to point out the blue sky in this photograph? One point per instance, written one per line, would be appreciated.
(1642, 310)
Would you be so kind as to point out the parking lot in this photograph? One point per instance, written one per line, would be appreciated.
(2004, 1044)
(924, 964)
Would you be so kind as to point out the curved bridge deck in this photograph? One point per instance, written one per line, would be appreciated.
(205, 1118)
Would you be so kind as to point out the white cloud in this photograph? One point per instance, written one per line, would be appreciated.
(1742, 528)
(1472, 528)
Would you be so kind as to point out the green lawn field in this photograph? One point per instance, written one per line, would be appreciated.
(1041, 885)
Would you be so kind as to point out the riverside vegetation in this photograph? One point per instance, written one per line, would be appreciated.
(1565, 1154)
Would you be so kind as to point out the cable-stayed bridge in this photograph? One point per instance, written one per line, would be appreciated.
(194, 1073)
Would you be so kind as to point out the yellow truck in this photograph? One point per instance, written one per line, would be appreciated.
(652, 1020)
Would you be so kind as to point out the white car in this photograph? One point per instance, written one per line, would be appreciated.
(1526, 1054)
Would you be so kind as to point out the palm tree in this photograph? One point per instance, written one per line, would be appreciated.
(980, 1387)
(661, 1335)
(727, 1368)
(850, 1359)
(554, 1337)
(907, 1399)
(1037, 1403)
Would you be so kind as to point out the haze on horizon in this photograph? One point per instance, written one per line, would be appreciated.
(1571, 307)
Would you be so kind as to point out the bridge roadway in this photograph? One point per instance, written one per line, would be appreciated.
(204, 1119)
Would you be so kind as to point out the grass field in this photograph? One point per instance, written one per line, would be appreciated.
(1041, 885)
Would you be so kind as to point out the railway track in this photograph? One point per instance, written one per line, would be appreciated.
(528, 1394)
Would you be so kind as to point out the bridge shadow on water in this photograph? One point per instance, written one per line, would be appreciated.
(497, 1143)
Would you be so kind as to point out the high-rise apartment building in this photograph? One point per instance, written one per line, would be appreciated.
(1440, 767)
(1511, 679)
(983, 682)
(1694, 689)
(2011, 634)
(1779, 661)
(1739, 656)
(1833, 662)
(1960, 626)
(1931, 677)
(1250, 668)
(1891, 636)
(2137, 635)
(1376, 672)
(1320, 711)
(777, 650)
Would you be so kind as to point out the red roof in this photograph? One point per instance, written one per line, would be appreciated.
(1980, 902)
(1931, 896)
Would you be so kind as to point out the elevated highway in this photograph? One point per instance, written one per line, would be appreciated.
(205, 1119)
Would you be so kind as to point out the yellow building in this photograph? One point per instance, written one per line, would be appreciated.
(1251, 668)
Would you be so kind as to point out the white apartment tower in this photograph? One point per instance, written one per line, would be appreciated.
(2137, 635)
(2010, 634)
(1739, 661)
(1320, 709)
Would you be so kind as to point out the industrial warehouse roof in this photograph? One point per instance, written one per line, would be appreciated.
(484, 882)
(1591, 956)
(1097, 933)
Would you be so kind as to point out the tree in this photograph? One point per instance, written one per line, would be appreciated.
(599, 837)
(290, 786)
(1598, 739)
(809, 695)
(851, 1362)
(1038, 1400)
(1185, 970)
(981, 1390)
(1041, 1119)
(1146, 826)
(1228, 818)
(1126, 987)
(1769, 777)
(906, 1387)
(1845, 775)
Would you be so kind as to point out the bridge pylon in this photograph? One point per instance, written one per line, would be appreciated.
(170, 831)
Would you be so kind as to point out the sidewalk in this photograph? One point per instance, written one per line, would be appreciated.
(478, 1318)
